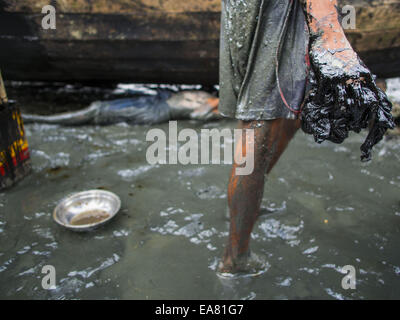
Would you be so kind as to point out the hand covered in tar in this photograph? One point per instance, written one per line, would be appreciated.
(343, 96)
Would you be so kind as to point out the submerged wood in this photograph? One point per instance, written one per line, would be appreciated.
(170, 41)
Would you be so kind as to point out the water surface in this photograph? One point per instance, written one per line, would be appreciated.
(325, 209)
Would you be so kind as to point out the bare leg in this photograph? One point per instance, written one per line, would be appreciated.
(245, 192)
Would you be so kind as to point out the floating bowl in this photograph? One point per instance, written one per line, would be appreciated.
(86, 210)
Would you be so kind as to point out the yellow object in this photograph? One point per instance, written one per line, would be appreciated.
(3, 94)
(14, 152)
(19, 144)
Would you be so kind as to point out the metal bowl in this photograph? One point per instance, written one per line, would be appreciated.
(87, 210)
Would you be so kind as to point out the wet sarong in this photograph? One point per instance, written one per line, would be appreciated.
(251, 32)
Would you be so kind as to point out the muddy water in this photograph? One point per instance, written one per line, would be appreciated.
(89, 217)
(323, 209)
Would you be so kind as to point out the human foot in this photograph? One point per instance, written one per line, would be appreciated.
(251, 265)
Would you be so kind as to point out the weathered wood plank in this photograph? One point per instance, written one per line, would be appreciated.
(176, 39)
(116, 6)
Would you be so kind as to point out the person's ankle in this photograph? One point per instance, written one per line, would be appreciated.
(232, 261)
(247, 264)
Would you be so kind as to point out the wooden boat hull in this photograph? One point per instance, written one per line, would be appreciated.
(170, 41)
